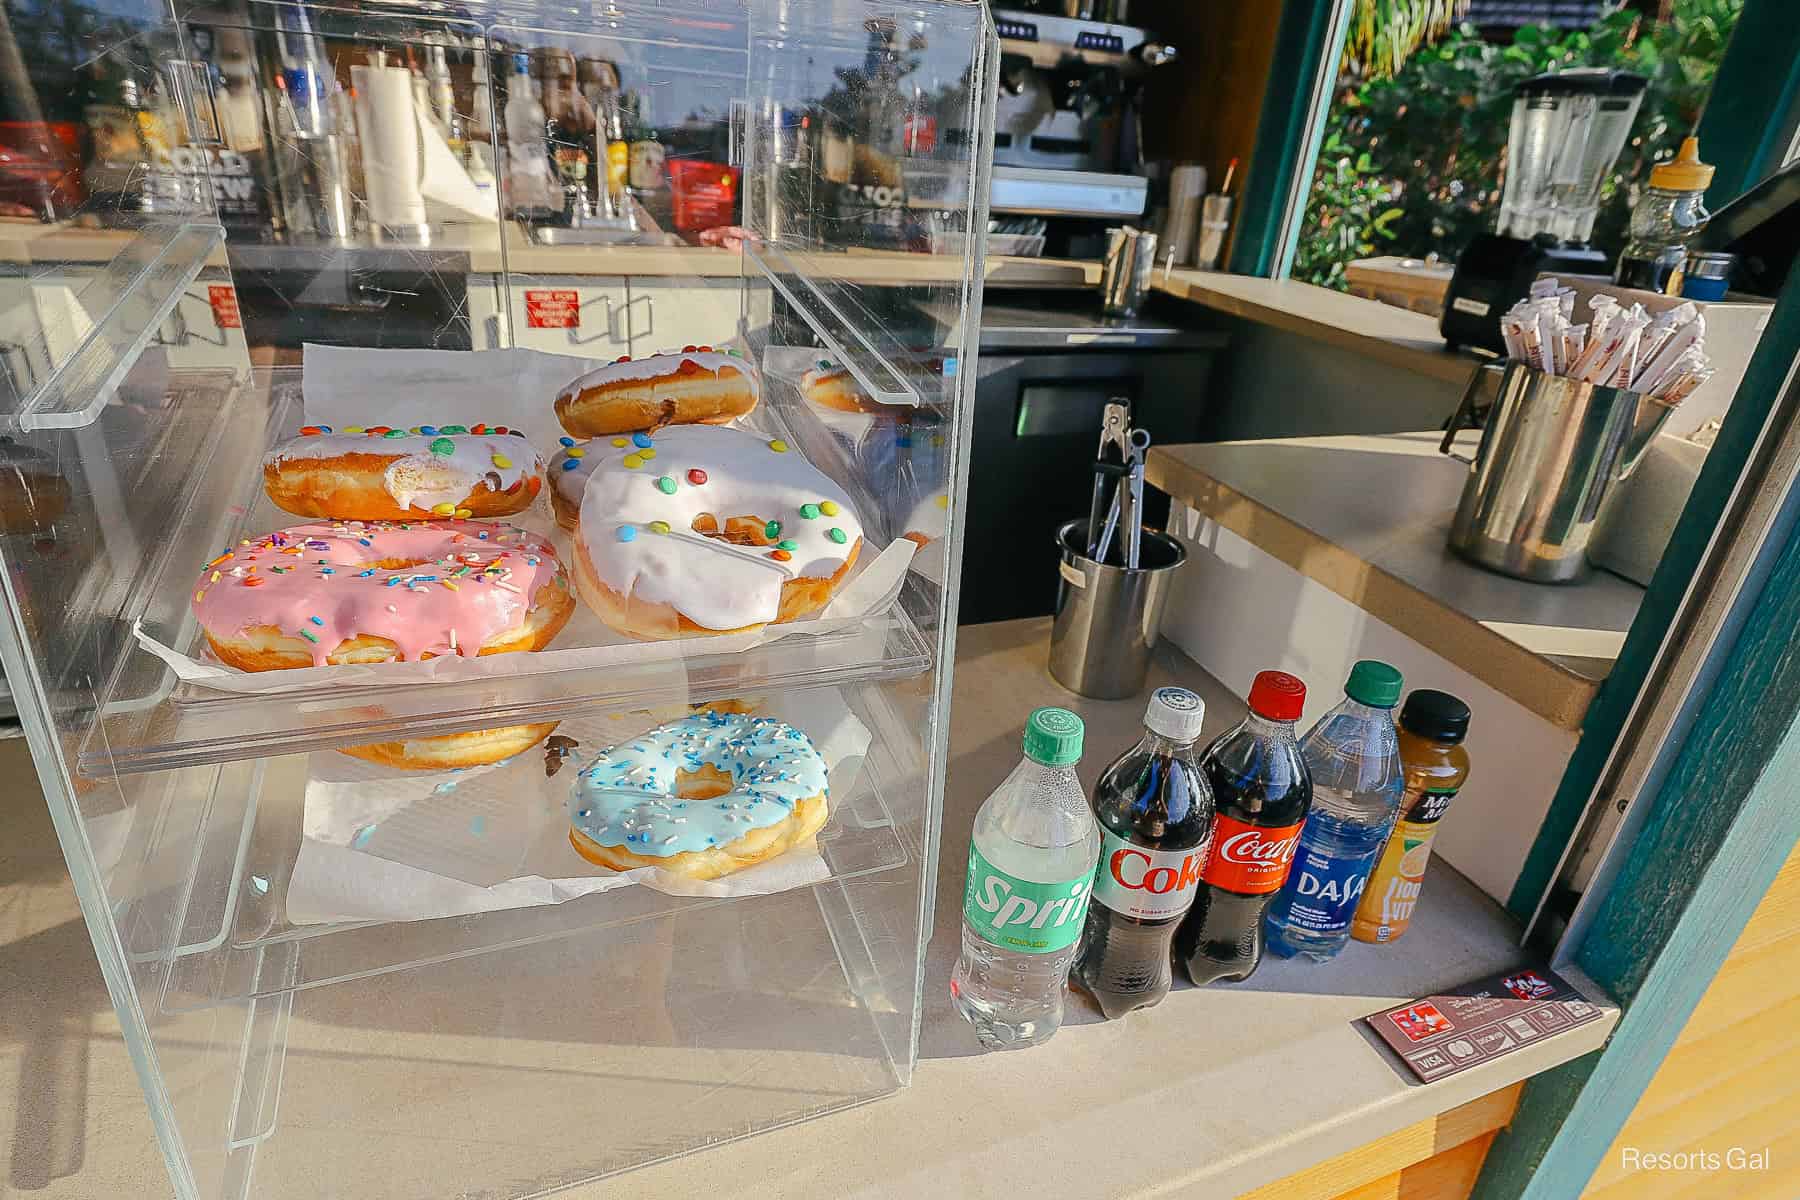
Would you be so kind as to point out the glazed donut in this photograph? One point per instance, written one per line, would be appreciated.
(33, 493)
(836, 388)
(375, 473)
(696, 385)
(702, 797)
(710, 530)
(475, 748)
(371, 592)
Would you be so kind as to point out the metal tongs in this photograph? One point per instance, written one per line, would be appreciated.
(1120, 459)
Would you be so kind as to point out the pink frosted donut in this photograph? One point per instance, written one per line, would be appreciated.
(374, 591)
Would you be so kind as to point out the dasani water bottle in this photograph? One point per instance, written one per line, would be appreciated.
(1353, 755)
(1031, 867)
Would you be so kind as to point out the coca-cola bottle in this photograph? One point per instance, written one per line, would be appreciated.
(1262, 790)
(1156, 813)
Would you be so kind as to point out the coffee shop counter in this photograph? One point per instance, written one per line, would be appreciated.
(1267, 1088)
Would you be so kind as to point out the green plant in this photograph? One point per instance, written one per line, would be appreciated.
(1383, 34)
(1431, 140)
(1350, 203)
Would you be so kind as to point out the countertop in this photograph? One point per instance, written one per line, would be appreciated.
(1053, 1121)
(1368, 516)
(30, 244)
(1380, 331)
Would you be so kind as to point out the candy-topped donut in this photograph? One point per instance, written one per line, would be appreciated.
(371, 592)
(696, 384)
(702, 797)
(569, 472)
(709, 530)
(374, 473)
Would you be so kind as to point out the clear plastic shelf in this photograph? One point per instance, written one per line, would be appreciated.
(151, 722)
(225, 840)
(139, 288)
(823, 307)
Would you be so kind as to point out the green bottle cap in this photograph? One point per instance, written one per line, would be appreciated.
(1373, 683)
(1053, 737)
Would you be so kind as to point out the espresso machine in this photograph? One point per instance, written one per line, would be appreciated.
(1567, 130)
(1066, 117)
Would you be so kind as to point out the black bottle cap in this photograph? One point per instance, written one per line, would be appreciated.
(1435, 715)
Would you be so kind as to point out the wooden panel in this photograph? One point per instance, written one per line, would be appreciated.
(1446, 1176)
(1733, 1076)
(1380, 1163)
(1205, 107)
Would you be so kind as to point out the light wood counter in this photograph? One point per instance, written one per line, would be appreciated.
(1379, 331)
(1272, 1080)
(1368, 517)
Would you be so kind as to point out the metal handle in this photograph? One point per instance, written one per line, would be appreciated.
(1457, 419)
(611, 334)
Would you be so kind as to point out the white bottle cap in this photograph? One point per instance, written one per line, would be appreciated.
(1175, 713)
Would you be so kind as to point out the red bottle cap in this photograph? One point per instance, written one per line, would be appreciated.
(1277, 696)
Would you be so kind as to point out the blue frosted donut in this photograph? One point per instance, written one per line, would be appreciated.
(702, 797)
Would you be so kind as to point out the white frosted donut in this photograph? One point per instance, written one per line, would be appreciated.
(569, 472)
(379, 474)
(694, 384)
(929, 519)
(710, 530)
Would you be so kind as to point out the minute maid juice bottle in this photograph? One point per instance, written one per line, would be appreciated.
(1434, 765)
(1031, 867)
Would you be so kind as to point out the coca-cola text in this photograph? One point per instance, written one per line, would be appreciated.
(1250, 858)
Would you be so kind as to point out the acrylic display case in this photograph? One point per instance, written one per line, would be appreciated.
(342, 979)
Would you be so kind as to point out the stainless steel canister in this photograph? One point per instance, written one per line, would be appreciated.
(1549, 451)
(1125, 275)
(1107, 617)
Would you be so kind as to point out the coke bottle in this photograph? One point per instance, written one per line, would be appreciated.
(1262, 790)
(1155, 813)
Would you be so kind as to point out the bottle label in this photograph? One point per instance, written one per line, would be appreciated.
(1393, 891)
(1324, 892)
(1250, 859)
(1022, 914)
(1150, 885)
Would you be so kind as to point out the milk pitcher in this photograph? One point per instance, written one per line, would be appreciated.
(1550, 449)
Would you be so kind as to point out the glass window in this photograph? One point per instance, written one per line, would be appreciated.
(1415, 147)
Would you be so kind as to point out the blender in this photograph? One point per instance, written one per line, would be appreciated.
(1568, 128)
